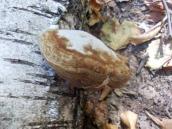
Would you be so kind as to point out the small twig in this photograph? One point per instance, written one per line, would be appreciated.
(160, 51)
(155, 119)
(168, 13)
(141, 65)
(167, 112)
(167, 62)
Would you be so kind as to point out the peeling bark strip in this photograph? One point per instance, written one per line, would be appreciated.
(34, 12)
(54, 98)
(51, 125)
(41, 75)
(17, 41)
(50, 122)
(28, 97)
(62, 93)
(19, 61)
(37, 52)
(21, 31)
(35, 82)
(5, 32)
(17, 30)
(46, 11)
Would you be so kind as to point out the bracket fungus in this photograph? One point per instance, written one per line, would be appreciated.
(84, 60)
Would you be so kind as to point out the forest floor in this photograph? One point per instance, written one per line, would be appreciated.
(147, 90)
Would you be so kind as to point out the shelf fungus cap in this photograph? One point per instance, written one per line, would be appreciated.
(82, 58)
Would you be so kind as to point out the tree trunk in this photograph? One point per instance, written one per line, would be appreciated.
(31, 94)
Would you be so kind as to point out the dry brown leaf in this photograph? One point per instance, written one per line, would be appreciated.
(95, 6)
(93, 19)
(167, 123)
(97, 111)
(154, 16)
(117, 35)
(101, 113)
(112, 4)
(94, 9)
(129, 119)
(156, 8)
(160, 55)
(118, 92)
(109, 126)
(105, 1)
(164, 123)
(105, 92)
(138, 39)
(154, 5)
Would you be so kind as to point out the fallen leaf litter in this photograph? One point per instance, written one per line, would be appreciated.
(110, 33)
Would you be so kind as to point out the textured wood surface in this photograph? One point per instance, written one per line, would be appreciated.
(31, 94)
